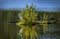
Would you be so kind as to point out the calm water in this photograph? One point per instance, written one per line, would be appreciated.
(9, 31)
(51, 34)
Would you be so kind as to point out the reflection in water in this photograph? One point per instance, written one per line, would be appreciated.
(50, 34)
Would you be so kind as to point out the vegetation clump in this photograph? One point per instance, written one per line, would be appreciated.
(29, 23)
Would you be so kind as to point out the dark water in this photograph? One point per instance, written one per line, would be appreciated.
(10, 31)
(53, 33)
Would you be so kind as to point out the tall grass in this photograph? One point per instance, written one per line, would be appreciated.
(28, 23)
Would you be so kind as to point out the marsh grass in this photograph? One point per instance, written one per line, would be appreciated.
(27, 19)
